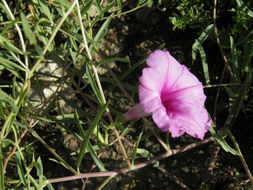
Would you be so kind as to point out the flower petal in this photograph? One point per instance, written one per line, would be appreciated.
(192, 118)
(149, 100)
(173, 95)
(151, 79)
(166, 65)
(161, 118)
(183, 80)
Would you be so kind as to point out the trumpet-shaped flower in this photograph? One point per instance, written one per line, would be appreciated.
(173, 96)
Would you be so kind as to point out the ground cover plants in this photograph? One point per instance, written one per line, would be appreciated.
(69, 71)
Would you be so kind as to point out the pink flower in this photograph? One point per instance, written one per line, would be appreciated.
(173, 96)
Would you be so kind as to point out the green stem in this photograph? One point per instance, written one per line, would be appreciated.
(245, 166)
(107, 180)
(124, 13)
(83, 32)
(1, 167)
(11, 117)
(36, 135)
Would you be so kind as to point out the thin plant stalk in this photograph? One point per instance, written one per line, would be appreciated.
(19, 33)
(124, 13)
(236, 145)
(224, 57)
(83, 32)
(123, 151)
(36, 135)
(107, 180)
(135, 167)
(1, 167)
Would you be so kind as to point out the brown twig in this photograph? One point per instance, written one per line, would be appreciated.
(87, 101)
(245, 182)
(224, 57)
(217, 97)
(174, 178)
(211, 164)
(7, 159)
(213, 159)
(121, 86)
(135, 167)
(123, 151)
(122, 148)
(166, 148)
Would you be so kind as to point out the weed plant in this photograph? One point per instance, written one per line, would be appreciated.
(63, 93)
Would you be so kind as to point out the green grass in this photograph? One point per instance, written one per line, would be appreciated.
(52, 46)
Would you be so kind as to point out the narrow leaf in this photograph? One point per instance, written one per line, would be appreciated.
(27, 30)
(20, 168)
(242, 5)
(100, 34)
(222, 142)
(4, 97)
(45, 10)
(204, 63)
(93, 83)
(114, 59)
(96, 159)
(119, 2)
(6, 44)
(90, 131)
(78, 123)
(234, 59)
(204, 35)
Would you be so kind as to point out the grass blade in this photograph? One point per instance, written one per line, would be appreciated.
(204, 63)
(21, 172)
(119, 2)
(96, 159)
(90, 132)
(197, 47)
(234, 59)
(93, 83)
(136, 144)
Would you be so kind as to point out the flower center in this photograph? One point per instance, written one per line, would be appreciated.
(166, 101)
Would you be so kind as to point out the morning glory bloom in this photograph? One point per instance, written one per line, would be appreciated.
(173, 96)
